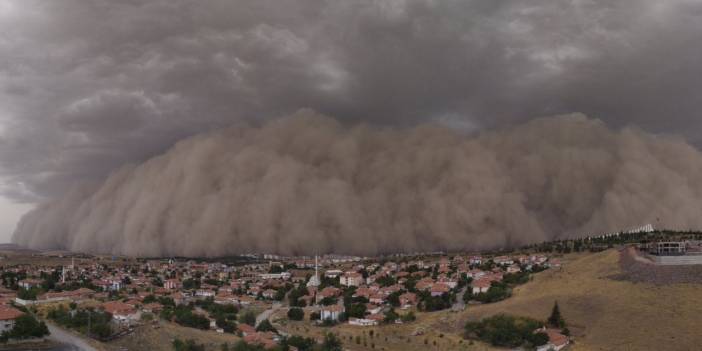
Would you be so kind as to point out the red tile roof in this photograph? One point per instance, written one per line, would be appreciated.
(9, 313)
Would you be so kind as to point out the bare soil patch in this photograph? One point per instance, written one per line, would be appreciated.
(637, 269)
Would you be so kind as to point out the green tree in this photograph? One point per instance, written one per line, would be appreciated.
(248, 317)
(296, 314)
(357, 310)
(188, 345)
(331, 343)
(265, 326)
(302, 343)
(391, 316)
(556, 320)
(408, 317)
(538, 339)
(26, 327)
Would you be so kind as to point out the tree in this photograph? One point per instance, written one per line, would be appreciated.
(328, 301)
(248, 317)
(556, 320)
(408, 317)
(394, 298)
(265, 326)
(391, 316)
(26, 326)
(296, 314)
(28, 294)
(188, 345)
(503, 330)
(302, 343)
(357, 310)
(331, 343)
(538, 339)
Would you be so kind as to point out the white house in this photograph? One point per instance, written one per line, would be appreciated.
(331, 312)
(281, 275)
(29, 283)
(351, 279)
(333, 273)
(205, 293)
(362, 322)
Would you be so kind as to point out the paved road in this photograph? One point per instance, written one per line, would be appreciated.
(267, 313)
(460, 305)
(69, 340)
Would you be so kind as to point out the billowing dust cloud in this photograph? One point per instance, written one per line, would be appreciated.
(307, 184)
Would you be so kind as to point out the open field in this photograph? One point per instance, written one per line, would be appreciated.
(390, 337)
(160, 339)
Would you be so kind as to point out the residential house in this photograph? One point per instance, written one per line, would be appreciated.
(29, 283)
(556, 340)
(514, 269)
(331, 312)
(8, 315)
(480, 285)
(439, 289)
(121, 312)
(408, 300)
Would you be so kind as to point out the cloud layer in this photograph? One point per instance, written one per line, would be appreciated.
(306, 184)
(87, 86)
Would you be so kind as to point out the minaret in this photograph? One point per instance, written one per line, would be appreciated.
(316, 268)
(314, 281)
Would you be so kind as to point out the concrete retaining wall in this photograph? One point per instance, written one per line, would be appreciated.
(676, 260)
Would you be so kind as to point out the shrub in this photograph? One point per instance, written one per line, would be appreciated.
(248, 317)
(265, 326)
(302, 343)
(504, 330)
(26, 327)
(408, 317)
(357, 310)
(188, 345)
(331, 343)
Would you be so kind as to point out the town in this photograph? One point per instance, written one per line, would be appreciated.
(264, 300)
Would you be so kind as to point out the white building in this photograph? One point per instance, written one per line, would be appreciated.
(314, 281)
(363, 322)
(351, 279)
(331, 312)
(282, 275)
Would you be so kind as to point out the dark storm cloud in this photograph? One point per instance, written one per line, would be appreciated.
(86, 86)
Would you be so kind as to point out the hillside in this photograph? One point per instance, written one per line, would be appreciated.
(604, 313)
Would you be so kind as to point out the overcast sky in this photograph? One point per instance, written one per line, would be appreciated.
(88, 85)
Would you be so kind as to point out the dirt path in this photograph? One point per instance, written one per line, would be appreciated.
(69, 340)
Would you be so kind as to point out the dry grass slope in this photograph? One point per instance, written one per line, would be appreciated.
(606, 314)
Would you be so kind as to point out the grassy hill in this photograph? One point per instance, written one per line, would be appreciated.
(604, 313)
